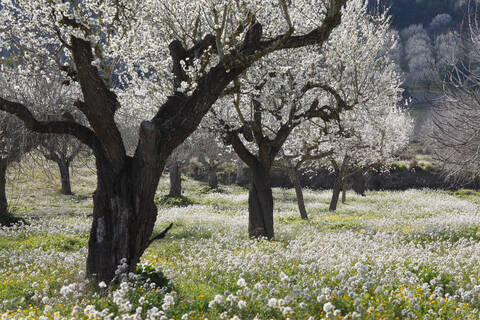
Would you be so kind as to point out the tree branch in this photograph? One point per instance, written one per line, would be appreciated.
(161, 235)
(72, 128)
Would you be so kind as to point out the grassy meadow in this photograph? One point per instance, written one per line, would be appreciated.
(389, 255)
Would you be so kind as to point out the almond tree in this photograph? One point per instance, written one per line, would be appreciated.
(176, 55)
(368, 140)
(307, 145)
(279, 93)
(15, 140)
(180, 157)
(55, 102)
(455, 135)
(211, 152)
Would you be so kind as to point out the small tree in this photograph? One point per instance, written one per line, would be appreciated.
(306, 145)
(211, 152)
(62, 150)
(279, 93)
(369, 140)
(179, 158)
(15, 140)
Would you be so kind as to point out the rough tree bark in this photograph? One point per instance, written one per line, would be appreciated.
(64, 168)
(3, 181)
(260, 203)
(124, 212)
(175, 181)
(294, 178)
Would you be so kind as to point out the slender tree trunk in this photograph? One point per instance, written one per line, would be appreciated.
(212, 177)
(64, 167)
(344, 192)
(260, 204)
(294, 178)
(3, 181)
(175, 181)
(337, 188)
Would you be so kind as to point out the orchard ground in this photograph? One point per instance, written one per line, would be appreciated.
(392, 255)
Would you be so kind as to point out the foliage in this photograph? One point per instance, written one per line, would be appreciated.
(168, 201)
(207, 189)
(150, 274)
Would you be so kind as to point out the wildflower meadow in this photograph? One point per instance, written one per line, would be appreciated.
(390, 255)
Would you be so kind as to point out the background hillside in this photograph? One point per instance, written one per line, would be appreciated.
(407, 12)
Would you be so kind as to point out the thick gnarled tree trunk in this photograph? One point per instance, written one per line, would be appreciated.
(260, 204)
(124, 215)
(175, 181)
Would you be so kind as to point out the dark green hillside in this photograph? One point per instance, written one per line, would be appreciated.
(407, 12)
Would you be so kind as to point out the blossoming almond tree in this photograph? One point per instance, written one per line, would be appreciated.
(15, 140)
(371, 132)
(279, 93)
(368, 141)
(177, 55)
(211, 152)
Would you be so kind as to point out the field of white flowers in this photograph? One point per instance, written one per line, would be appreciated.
(390, 255)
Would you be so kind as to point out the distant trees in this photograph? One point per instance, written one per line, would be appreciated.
(370, 140)
(15, 140)
(455, 130)
(279, 94)
(408, 12)
(418, 53)
(426, 50)
(62, 150)
(211, 152)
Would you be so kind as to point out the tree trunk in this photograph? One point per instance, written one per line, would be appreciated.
(344, 192)
(64, 167)
(337, 188)
(175, 181)
(212, 177)
(3, 181)
(293, 174)
(260, 204)
(124, 215)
